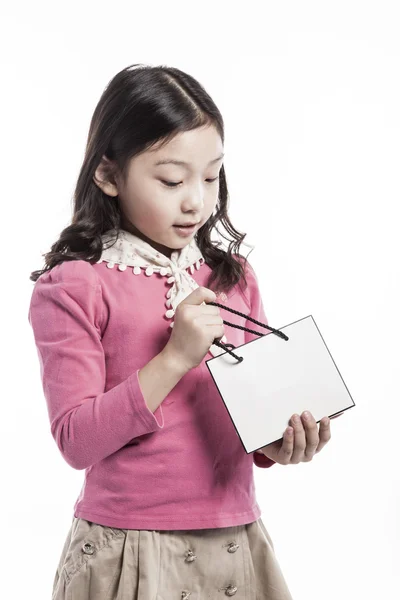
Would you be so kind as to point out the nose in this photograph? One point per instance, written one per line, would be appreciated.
(194, 200)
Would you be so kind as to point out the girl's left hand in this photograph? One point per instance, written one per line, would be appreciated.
(303, 443)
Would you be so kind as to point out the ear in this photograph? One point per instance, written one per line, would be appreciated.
(102, 177)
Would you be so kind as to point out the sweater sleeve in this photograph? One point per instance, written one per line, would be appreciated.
(257, 312)
(87, 422)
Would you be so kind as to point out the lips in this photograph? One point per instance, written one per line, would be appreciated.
(185, 231)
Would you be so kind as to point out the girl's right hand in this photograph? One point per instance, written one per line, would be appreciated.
(196, 326)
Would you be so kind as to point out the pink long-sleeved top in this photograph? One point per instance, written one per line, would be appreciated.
(183, 467)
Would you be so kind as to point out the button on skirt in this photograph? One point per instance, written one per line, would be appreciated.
(106, 563)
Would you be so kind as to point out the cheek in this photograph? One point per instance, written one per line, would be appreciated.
(210, 204)
(150, 213)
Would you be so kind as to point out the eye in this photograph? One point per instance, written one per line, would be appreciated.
(172, 184)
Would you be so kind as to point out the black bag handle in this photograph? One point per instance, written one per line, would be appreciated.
(227, 346)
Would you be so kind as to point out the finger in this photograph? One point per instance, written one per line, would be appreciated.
(324, 433)
(286, 449)
(312, 437)
(299, 445)
(209, 320)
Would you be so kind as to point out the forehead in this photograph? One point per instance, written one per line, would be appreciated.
(198, 147)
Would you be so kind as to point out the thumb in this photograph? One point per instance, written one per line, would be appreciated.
(335, 416)
(199, 296)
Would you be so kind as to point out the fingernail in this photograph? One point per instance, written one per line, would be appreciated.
(306, 414)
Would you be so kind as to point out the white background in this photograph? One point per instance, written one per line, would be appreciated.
(310, 96)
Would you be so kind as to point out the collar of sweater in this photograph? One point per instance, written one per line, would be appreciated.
(131, 251)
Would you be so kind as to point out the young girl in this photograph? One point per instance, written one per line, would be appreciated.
(123, 328)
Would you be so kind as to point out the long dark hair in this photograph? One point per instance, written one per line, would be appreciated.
(140, 108)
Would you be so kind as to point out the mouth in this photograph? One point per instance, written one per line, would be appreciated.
(185, 229)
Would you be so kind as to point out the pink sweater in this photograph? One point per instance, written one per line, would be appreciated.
(183, 467)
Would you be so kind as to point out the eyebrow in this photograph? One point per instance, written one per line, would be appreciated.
(167, 161)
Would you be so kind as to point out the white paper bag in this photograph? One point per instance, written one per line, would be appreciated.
(276, 379)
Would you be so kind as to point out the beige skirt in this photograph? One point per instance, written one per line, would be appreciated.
(106, 563)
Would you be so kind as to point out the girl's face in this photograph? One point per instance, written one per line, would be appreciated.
(156, 197)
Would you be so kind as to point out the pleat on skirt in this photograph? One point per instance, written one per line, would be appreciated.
(106, 563)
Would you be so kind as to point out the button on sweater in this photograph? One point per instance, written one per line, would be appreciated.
(181, 467)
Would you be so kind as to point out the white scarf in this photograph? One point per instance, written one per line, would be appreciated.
(131, 251)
